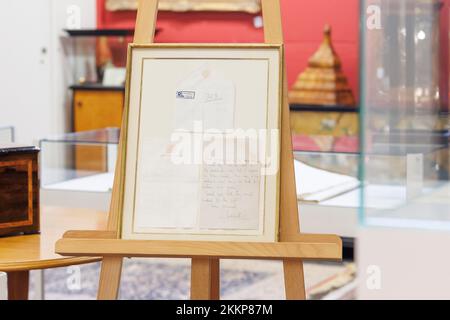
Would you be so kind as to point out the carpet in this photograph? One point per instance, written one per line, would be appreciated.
(163, 279)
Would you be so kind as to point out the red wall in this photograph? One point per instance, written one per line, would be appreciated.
(303, 22)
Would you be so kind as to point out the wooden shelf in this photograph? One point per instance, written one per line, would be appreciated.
(317, 108)
(99, 32)
(96, 87)
(114, 32)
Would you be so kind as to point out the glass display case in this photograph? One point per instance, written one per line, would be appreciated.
(328, 194)
(405, 142)
(6, 134)
(94, 52)
(96, 73)
(82, 161)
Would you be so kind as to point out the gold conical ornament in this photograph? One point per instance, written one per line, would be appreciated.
(323, 82)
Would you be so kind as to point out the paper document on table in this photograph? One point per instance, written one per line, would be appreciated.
(230, 196)
(316, 185)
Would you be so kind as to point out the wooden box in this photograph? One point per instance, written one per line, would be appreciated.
(19, 190)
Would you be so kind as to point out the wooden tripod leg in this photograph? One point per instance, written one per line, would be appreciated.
(18, 283)
(294, 280)
(110, 278)
(205, 279)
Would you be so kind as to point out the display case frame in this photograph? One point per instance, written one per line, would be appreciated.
(404, 114)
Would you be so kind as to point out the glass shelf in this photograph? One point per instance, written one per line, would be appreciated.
(82, 161)
(103, 136)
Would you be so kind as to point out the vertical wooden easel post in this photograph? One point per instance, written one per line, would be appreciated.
(111, 270)
(289, 219)
(205, 277)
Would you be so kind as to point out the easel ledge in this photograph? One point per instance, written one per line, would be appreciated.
(316, 247)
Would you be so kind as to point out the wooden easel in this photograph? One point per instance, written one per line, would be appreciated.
(292, 248)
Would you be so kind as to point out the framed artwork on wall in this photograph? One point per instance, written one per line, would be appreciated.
(202, 142)
(250, 6)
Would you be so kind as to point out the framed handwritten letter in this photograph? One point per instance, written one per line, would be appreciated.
(202, 142)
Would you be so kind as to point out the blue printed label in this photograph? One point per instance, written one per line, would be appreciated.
(186, 95)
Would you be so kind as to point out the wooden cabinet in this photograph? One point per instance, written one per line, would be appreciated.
(95, 107)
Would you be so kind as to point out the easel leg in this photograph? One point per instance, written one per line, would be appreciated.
(205, 279)
(294, 280)
(110, 278)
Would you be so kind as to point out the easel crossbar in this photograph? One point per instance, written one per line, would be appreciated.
(316, 248)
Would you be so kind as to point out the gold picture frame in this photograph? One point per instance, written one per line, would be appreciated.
(250, 6)
(154, 71)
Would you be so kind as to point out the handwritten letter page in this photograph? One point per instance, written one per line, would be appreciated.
(230, 197)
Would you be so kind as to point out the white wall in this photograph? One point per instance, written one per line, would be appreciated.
(25, 67)
(66, 14)
(33, 82)
(397, 263)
